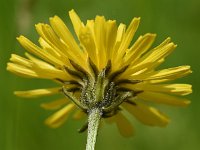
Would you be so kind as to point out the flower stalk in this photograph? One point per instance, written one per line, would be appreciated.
(94, 117)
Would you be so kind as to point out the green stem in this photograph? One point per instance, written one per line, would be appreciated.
(94, 118)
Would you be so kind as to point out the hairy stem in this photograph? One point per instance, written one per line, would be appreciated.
(94, 118)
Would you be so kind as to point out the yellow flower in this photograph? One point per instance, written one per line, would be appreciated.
(101, 69)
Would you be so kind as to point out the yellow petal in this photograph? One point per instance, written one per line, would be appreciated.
(56, 104)
(130, 32)
(21, 70)
(59, 117)
(34, 49)
(48, 48)
(164, 48)
(38, 71)
(142, 44)
(157, 54)
(39, 62)
(90, 25)
(147, 115)
(44, 44)
(77, 23)
(136, 71)
(154, 56)
(120, 33)
(45, 70)
(163, 98)
(46, 32)
(170, 73)
(127, 39)
(150, 59)
(153, 66)
(119, 38)
(56, 53)
(79, 114)
(61, 29)
(20, 60)
(87, 41)
(63, 32)
(109, 120)
(100, 37)
(37, 92)
(165, 42)
(60, 49)
(111, 33)
(124, 126)
(179, 89)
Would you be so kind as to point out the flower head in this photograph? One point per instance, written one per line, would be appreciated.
(101, 69)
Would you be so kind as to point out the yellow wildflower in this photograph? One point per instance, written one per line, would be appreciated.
(100, 69)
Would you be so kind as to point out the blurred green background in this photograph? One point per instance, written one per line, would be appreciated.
(21, 121)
